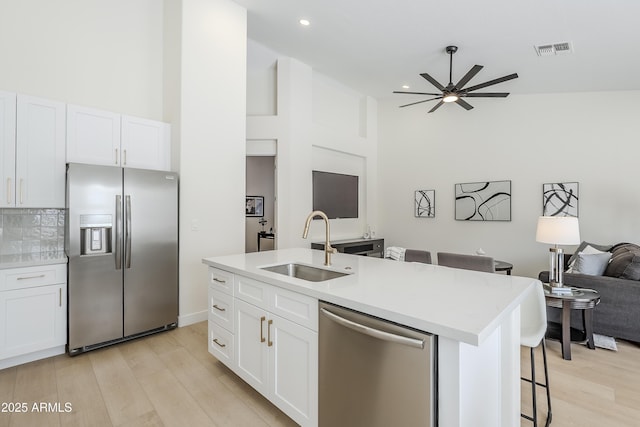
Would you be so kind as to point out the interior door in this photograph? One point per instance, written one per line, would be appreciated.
(151, 250)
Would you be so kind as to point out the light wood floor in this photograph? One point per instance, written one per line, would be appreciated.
(170, 379)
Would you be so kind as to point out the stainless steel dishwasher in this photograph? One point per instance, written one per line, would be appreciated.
(373, 372)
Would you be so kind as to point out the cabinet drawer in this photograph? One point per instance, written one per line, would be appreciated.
(21, 278)
(221, 309)
(252, 291)
(298, 308)
(221, 280)
(221, 344)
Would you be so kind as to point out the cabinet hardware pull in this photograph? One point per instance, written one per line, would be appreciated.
(8, 190)
(21, 195)
(116, 158)
(262, 319)
(215, 340)
(215, 279)
(60, 292)
(269, 323)
(31, 277)
(218, 308)
(124, 152)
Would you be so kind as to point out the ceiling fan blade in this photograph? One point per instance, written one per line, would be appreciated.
(432, 81)
(486, 95)
(464, 104)
(491, 82)
(470, 74)
(435, 107)
(420, 102)
(417, 93)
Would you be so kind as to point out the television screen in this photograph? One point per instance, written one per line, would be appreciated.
(335, 194)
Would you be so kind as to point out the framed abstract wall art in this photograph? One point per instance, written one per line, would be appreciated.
(560, 199)
(483, 201)
(254, 206)
(425, 204)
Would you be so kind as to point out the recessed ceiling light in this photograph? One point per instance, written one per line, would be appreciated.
(304, 22)
(405, 86)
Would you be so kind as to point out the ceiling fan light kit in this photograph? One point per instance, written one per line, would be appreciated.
(455, 92)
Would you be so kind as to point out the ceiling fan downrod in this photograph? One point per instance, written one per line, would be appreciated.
(451, 50)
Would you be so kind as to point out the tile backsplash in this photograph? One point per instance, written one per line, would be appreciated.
(25, 231)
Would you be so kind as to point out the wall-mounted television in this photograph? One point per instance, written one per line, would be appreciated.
(335, 194)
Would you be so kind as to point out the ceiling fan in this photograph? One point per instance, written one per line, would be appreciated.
(455, 92)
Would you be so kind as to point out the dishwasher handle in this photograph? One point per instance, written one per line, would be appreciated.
(376, 333)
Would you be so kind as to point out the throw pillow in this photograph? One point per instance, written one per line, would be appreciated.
(632, 272)
(583, 246)
(592, 264)
(587, 250)
(621, 256)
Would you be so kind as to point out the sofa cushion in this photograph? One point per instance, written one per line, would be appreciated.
(622, 258)
(592, 264)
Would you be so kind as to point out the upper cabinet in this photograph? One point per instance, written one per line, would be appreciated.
(33, 152)
(93, 136)
(7, 148)
(146, 144)
(105, 138)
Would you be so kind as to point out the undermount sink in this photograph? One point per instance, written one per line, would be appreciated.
(305, 272)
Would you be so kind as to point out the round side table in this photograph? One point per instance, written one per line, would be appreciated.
(504, 266)
(579, 299)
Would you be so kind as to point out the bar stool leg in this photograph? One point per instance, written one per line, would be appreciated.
(534, 383)
(546, 382)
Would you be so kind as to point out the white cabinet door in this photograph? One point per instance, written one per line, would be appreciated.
(251, 351)
(33, 319)
(146, 144)
(93, 136)
(40, 153)
(293, 370)
(7, 148)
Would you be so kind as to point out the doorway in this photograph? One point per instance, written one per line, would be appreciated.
(260, 232)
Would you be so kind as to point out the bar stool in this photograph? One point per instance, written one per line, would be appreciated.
(416, 255)
(467, 262)
(533, 326)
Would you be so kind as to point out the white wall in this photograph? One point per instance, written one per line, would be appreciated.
(102, 54)
(212, 138)
(591, 138)
(317, 123)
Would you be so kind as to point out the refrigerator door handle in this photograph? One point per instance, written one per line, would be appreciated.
(127, 250)
(118, 251)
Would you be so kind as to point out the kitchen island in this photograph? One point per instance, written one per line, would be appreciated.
(475, 316)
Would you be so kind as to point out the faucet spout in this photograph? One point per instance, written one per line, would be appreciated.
(328, 250)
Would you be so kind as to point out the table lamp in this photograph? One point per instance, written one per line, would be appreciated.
(557, 230)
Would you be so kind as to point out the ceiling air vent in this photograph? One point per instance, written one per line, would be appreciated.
(561, 48)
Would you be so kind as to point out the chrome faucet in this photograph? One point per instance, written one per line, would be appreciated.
(328, 250)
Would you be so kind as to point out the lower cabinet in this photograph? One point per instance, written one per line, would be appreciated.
(278, 358)
(268, 336)
(33, 314)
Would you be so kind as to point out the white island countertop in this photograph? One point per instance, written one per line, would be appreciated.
(465, 306)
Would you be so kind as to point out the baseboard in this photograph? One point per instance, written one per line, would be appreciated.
(30, 357)
(190, 319)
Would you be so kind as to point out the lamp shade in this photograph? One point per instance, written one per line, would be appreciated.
(558, 230)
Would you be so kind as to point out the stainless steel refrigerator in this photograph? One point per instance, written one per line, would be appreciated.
(122, 243)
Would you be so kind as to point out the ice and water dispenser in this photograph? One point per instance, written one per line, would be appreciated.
(95, 234)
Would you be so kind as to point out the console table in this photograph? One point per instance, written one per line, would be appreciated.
(366, 247)
(264, 235)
